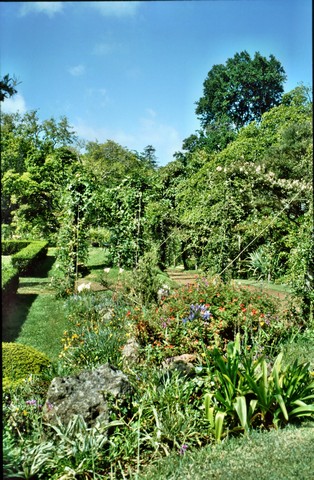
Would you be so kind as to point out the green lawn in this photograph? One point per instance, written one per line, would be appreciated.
(275, 455)
(36, 317)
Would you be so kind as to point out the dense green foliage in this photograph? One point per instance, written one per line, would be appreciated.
(241, 90)
(20, 361)
(7, 87)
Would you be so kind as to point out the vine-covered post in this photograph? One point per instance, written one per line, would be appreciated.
(72, 245)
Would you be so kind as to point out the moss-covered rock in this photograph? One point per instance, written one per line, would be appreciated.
(19, 361)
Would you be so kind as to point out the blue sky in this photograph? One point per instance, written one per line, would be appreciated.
(132, 71)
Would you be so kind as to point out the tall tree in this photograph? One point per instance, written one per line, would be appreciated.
(7, 87)
(241, 90)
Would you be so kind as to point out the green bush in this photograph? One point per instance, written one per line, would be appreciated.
(24, 259)
(209, 314)
(9, 281)
(247, 393)
(99, 237)
(19, 361)
(10, 247)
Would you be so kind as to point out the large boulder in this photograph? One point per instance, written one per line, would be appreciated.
(85, 394)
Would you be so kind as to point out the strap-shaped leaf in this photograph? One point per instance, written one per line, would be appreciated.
(219, 420)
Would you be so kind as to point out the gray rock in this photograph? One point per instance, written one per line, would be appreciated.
(130, 352)
(182, 363)
(85, 394)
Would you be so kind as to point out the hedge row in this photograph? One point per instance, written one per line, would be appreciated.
(10, 247)
(27, 254)
(24, 259)
(9, 281)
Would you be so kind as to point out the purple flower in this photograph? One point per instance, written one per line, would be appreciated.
(49, 406)
(31, 402)
(197, 311)
(183, 449)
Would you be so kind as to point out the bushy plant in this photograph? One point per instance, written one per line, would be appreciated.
(165, 415)
(211, 313)
(98, 330)
(248, 392)
(142, 285)
(19, 362)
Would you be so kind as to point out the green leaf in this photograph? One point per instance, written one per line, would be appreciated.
(282, 406)
(241, 409)
(219, 419)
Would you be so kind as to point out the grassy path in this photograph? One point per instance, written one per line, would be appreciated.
(36, 317)
(183, 277)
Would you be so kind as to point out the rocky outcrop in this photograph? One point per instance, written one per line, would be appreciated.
(85, 394)
(182, 363)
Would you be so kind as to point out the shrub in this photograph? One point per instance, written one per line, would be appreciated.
(97, 330)
(209, 314)
(10, 247)
(24, 259)
(19, 361)
(247, 392)
(141, 287)
(9, 282)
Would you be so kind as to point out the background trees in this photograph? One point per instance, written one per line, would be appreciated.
(234, 201)
(8, 87)
(241, 90)
(37, 160)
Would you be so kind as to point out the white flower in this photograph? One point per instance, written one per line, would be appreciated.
(219, 168)
(107, 269)
(84, 286)
(121, 270)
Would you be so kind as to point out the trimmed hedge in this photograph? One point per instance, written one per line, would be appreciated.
(24, 256)
(9, 281)
(24, 259)
(10, 247)
(19, 361)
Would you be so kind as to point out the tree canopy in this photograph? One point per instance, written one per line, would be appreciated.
(7, 87)
(241, 90)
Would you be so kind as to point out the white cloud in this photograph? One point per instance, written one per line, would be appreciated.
(103, 49)
(151, 112)
(148, 131)
(163, 137)
(77, 70)
(99, 95)
(48, 8)
(102, 134)
(116, 9)
(14, 104)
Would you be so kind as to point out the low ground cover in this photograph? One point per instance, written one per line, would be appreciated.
(235, 335)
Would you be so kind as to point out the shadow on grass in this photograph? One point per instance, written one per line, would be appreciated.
(14, 314)
(98, 267)
(16, 307)
(41, 268)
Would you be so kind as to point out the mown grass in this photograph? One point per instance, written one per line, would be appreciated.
(276, 455)
(263, 285)
(36, 317)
